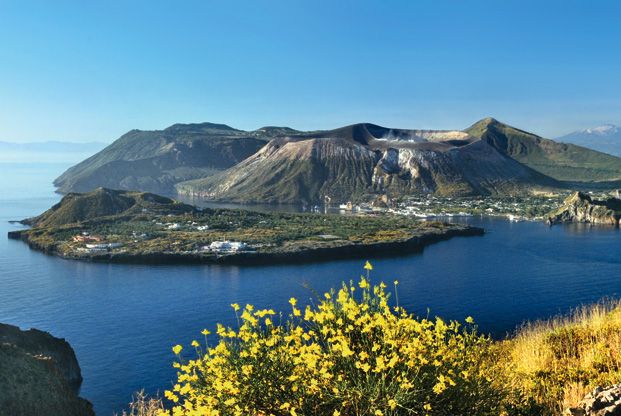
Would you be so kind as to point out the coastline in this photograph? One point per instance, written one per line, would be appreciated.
(308, 255)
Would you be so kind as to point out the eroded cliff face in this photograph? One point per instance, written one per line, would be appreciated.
(39, 375)
(580, 207)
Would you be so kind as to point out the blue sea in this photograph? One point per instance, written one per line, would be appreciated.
(123, 319)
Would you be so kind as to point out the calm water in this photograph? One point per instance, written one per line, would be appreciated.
(122, 320)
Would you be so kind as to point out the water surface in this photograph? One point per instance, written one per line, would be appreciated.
(123, 319)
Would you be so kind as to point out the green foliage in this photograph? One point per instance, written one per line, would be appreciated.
(561, 161)
(351, 354)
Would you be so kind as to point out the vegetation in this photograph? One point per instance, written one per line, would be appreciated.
(351, 354)
(561, 161)
(552, 364)
(352, 163)
(139, 224)
(356, 352)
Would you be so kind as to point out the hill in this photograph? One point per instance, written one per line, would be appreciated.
(154, 161)
(282, 165)
(605, 138)
(362, 159)
(560, 161)
(75, 208)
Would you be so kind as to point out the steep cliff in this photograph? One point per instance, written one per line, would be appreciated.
(580, 207)
(39, 375)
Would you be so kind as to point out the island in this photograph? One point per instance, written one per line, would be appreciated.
(136, 227)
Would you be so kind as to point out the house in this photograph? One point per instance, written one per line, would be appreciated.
(86, 238)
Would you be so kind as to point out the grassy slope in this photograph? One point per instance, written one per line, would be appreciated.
(556, 362)
(33, 386)
(75, 208)
(561, 161)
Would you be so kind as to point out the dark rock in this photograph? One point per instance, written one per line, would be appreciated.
(39, 375)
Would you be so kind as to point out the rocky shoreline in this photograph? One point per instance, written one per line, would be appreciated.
(298, 255)
(582, 208)
(39, 375)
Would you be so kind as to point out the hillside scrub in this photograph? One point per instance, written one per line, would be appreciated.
(554, 363)
(352, 352)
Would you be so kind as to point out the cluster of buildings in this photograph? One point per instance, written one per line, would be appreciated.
(94, 243)
(227, 247)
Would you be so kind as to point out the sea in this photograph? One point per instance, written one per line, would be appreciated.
(123, 319)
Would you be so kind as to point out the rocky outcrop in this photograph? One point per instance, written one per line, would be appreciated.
(599, 402)
(580, 207)
(39, 375)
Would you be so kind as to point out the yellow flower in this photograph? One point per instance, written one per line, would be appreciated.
(177, 349)
(195, 343)
(293, 301)
(427, 406)
(368, 266)
(235, 306)
(363, 283)
(205, 332)
(470, 320)
(396, 282)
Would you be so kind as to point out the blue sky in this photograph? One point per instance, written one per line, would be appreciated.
(84, 71)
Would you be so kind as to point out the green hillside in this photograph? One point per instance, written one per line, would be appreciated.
(75, 208)
(561, 161)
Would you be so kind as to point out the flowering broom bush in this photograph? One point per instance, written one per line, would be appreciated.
(351, 354)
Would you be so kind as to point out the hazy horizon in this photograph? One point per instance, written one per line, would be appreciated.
(112, 139)
(75, 70)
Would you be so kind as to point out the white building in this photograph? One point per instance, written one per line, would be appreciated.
(227, 246)
(104, 246)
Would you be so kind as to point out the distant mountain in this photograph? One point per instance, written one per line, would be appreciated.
(605, 138)
(101, 202)
(362, 159)
(282, 165)
(155, 161)
(561, 161)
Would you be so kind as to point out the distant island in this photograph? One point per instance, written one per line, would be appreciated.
(136, 227)
(357, 163)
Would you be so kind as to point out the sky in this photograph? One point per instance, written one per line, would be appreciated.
(91, 71)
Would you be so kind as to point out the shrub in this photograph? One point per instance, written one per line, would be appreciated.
(351, 354)
(554, 363)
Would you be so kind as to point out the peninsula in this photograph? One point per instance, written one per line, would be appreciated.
(135, 227)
